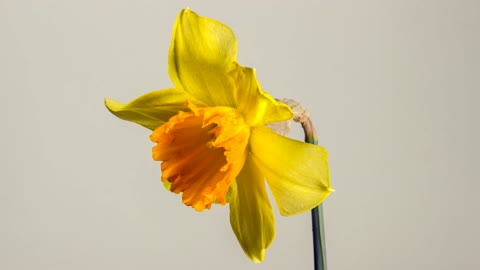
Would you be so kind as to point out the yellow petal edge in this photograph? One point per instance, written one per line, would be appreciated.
(150, 110)
(251, 215)
(297, 173)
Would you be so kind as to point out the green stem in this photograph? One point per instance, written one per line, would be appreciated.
(318, 226)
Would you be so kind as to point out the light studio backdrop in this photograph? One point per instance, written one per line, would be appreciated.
(392, 87)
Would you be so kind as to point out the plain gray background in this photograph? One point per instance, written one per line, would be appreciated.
(392, 87)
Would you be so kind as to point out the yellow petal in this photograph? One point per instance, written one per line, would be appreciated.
(202, 53)
(150, 110)
(258, 107)
(297, 173)
(202, 62)
(251, 215)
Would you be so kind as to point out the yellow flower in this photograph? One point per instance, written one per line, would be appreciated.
(211, 137)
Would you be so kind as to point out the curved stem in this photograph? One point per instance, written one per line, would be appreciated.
(301, 116)
(318, 226)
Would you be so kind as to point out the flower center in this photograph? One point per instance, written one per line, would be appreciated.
(202, 150)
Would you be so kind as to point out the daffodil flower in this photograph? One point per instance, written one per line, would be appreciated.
(211, 136)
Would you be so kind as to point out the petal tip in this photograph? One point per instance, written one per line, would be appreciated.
(111, 104)
(106, 101)
(258, 259)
